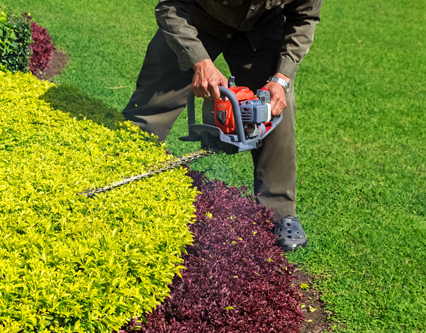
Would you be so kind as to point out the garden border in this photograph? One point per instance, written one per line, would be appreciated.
(316, 320)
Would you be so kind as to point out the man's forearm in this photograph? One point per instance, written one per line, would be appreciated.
(173, 19)
(302, 17)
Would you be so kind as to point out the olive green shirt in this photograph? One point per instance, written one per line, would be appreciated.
(264, 21)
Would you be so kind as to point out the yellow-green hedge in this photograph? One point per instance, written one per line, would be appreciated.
(69, 263)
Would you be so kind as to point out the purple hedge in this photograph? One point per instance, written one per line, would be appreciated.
(42, 47)
(236, 279)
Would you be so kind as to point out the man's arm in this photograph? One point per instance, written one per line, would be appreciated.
(173, 19)
(302, 17)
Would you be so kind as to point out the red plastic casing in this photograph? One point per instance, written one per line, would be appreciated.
(243, 94)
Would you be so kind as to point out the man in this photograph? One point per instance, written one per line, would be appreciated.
(263, 42)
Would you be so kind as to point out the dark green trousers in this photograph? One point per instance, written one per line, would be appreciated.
(161, 95)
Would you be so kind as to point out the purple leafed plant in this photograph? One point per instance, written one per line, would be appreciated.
(41, 47)
(236, 279)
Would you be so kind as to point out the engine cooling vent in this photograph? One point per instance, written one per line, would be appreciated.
(247, 111)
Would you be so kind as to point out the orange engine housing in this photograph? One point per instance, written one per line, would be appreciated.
(223, 115)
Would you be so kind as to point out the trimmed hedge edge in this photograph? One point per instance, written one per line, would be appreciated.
(69, 263)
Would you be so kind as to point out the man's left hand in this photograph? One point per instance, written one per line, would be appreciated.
(278, 100)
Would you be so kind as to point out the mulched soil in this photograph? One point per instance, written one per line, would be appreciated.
(316, 321)
(57, 64)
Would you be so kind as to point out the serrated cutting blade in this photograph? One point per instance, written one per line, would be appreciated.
(162, 167)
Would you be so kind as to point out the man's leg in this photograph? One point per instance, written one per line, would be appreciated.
(162, 89)
(275, 161)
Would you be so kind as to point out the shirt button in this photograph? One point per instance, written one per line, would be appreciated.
(229, 36)
(225, 3)
(253, 7)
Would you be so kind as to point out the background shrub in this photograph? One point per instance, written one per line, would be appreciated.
(236, 279)
(69, 263)
(42, 47)
(15, 40)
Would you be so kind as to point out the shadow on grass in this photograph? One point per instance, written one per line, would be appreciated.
(78, 104)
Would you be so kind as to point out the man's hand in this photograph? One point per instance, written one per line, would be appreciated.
(278, 101)
(207, 79)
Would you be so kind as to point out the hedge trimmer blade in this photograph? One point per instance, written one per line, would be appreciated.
(162, 167)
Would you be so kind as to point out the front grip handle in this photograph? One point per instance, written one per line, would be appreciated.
(235, 108)
(224, 92)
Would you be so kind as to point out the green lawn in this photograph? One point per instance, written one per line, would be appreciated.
(361, 138)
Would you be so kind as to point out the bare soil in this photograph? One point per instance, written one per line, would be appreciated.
(57, 64)
(314, 310)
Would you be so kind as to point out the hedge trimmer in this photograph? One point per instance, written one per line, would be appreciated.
(232, 125)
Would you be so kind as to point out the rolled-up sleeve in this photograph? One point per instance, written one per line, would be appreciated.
(302, 16)
(173, 19)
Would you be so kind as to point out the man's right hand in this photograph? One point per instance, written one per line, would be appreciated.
(207, 79)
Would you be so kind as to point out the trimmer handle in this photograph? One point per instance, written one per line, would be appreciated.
(237, 115)
(224, 92)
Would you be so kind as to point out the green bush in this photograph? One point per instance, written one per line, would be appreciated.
(15, 40)
(69, 263)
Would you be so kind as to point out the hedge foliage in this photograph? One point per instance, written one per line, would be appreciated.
(69, 263)
(15, 40)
